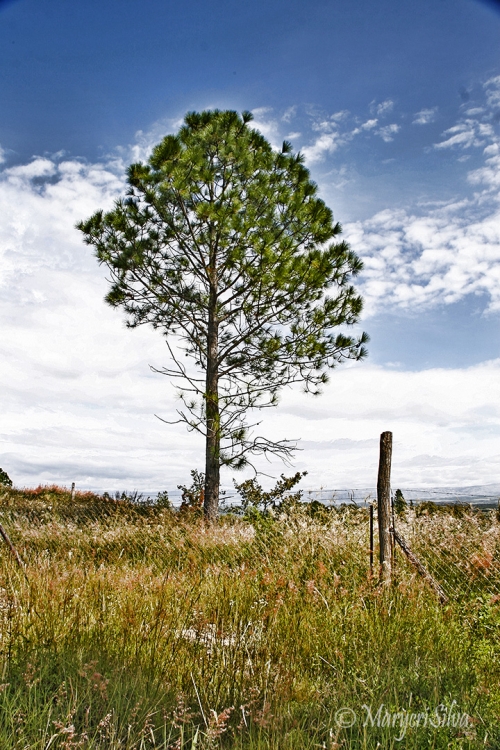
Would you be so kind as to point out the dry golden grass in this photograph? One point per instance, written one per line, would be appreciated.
(137, 627)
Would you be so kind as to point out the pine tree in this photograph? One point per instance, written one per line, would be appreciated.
(5, 480)
(223, 245)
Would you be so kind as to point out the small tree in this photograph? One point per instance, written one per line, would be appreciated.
(5, 480)
(400, 504)
(223, 244)
(254, 497)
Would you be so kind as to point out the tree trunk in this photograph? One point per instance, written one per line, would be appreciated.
(212, 455)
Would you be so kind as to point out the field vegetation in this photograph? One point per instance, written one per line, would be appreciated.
(135, 626)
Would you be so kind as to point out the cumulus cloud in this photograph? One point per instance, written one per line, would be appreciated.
(465, 134)
(330, 132)
(383, 108)
(475, 129)
(438, 254)
(492, 88)
(388, 132)
(266, 123)
(40, 202)
(330, 139)
(368, 125)
(425, 116)
(327, 143)
(446, 425)
(336, 131)
(143, 144)
(488, 176)
(77, 396)
(289, 113)
(420, 261)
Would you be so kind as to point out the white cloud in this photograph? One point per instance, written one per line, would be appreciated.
(368, 125)
(464, 135)
(339, 116)
(268, 125)
(333, 137)
(260, 111)
(425, 116)
(289, 113)
(326, 124)
(144, 142)
(388, 132)
(334, 130)
(489, 175)
(446, 425)
(327, 143)
(383, 108)
(492, 89)
(421, 257)
(77, 396)
(418, 262)
(40, 203)
(476, 128)
(39, 167)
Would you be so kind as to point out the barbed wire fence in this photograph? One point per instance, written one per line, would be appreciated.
(457, 543)
(454, 534)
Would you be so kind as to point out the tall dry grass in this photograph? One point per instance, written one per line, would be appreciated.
(141, 628)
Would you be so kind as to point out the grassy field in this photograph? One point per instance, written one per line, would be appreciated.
(138, 627)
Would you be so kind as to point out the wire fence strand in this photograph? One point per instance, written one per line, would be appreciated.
(458, 543)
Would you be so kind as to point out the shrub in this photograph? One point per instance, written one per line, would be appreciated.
(5, 480)
(400, 504)
(279, 498)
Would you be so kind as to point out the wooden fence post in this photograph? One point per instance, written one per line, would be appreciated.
(384, 506)
(371, 539)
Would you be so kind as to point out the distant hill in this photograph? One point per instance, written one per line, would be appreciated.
(486, 495)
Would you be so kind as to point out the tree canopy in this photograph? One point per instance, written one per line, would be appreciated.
(223, 244)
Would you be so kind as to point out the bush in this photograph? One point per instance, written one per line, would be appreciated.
(400, 504)
(5, 480)
(194, 496)
(163, 501)
(280, 498)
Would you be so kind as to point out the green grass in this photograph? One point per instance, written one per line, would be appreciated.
(140, 628)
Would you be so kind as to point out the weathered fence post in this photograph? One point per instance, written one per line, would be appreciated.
(384, 506)
(73, 490)
(371, 539)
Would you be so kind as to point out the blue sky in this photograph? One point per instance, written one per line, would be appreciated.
(396, 107)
